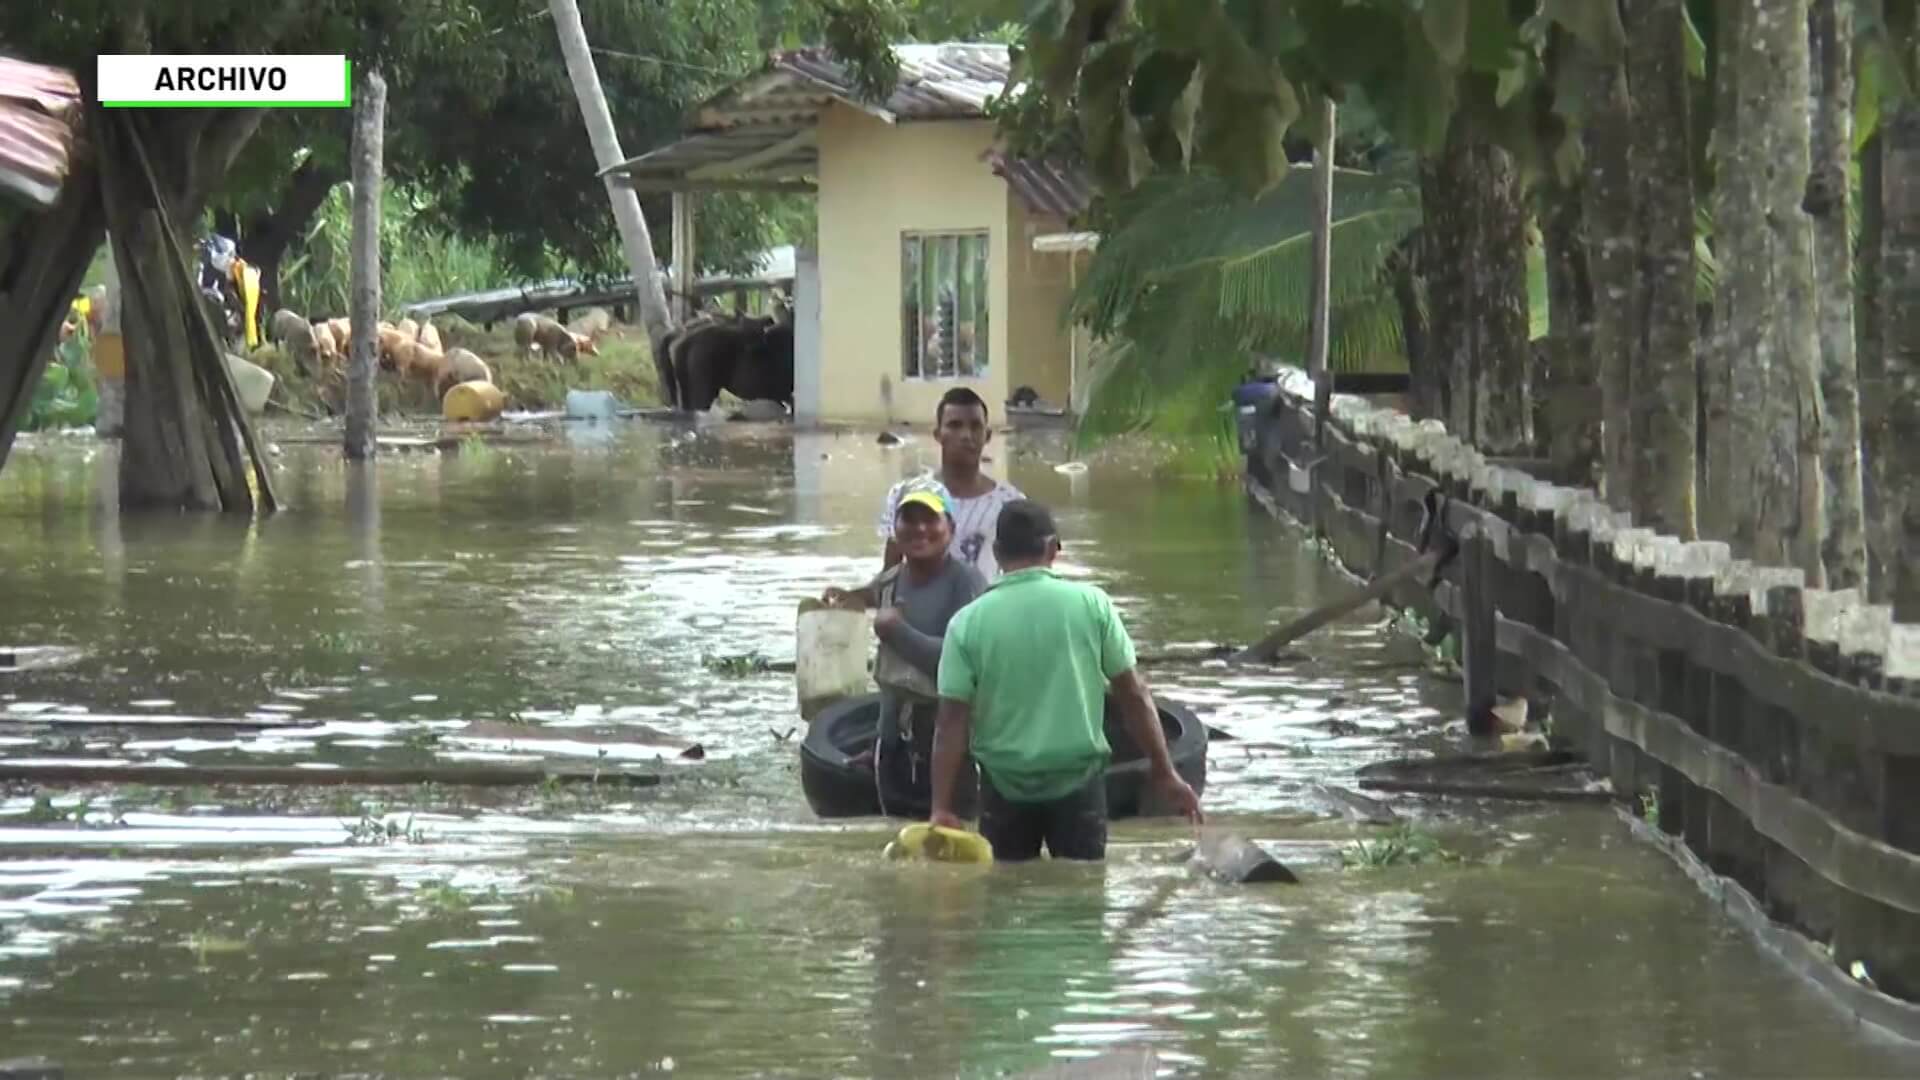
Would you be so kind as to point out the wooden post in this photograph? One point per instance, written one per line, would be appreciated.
(1322, 225)
(1322, 273)
(1478, 625)
(369, 133)
(683, 255)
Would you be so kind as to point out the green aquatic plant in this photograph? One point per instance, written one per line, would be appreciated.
(476, 449)
(372, 831)
(752, 663)
(1650, 806)
(445, 898)
(1402, 845)
(43, 812)
(421, 739)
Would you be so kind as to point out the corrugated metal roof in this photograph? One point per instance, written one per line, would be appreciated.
(937, 82)
(951, 81)
(39, 110)
(773, 151)
(760, 120)
(1061, 189)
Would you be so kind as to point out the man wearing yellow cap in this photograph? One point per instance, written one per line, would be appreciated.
(915, 599)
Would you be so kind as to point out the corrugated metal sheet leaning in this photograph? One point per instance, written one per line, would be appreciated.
(40, 108)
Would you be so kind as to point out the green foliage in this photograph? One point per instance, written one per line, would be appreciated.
(66, 396)
(1402, 845)
(418, 260)
(1193, 278)
(1156, 84)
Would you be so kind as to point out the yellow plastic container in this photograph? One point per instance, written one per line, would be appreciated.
(473, 400)
(248, 278)
(923, 840)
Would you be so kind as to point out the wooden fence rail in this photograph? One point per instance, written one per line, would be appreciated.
(1773, 729)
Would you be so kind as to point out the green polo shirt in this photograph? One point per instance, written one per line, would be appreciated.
(1033, 656)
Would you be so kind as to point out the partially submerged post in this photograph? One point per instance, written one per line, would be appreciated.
(369, 132)
(1237, 860)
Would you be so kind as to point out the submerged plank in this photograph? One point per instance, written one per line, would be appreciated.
(1133, 1064)
(1520, 792)
(372, 776)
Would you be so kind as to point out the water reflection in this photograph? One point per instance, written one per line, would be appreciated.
(553, 600)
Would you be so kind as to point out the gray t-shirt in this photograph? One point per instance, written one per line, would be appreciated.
(915, 644)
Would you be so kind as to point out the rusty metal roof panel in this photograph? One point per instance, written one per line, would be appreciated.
(950, 81)
(1058, 188)
(40, 109)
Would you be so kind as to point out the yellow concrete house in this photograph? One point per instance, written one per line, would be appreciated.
(941, 261)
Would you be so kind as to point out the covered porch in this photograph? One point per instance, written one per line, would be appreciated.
(925, 274)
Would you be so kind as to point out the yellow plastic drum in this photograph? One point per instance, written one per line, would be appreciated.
(476, 399)
(923, 840)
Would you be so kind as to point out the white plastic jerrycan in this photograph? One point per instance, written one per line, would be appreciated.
(830, 655)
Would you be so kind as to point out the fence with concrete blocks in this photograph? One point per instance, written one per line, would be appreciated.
(1769, 732)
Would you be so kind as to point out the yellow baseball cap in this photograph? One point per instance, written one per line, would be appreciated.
(929, 499)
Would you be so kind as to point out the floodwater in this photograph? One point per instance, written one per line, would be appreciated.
(557, 601)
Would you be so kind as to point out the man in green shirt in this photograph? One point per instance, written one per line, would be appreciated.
(1024, 674)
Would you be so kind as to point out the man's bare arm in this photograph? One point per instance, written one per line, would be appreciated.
(1142, 719)
(952, 728)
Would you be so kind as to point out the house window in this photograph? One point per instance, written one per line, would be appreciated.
(943, 278)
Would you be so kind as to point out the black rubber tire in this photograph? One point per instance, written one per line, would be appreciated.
(836, 788)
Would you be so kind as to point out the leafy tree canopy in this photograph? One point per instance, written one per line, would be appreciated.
(1170, 83)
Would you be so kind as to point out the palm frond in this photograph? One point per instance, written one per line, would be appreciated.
(1192, 280)
(1173, 227)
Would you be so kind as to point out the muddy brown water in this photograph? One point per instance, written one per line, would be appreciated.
(713, 927)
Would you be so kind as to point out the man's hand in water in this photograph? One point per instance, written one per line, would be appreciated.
(1179, 795)
(947, 819)
(887, 618)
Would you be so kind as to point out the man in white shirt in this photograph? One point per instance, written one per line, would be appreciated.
(974, 498)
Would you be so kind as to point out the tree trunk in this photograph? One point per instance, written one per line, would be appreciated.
(1442, 259)
(1568, 424)
(1502, 348)
(1870, 321)
(626, 205)
(41, 265)
(1425, 385)
(1613, 257)
(1477, 284)
(184, 428)
(1896, 382)
(1764, 445)
(269, 234)
(369, 137)
(1662, 380)
(1826, 199)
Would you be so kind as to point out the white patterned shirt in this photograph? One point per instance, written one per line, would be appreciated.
(974, 521)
